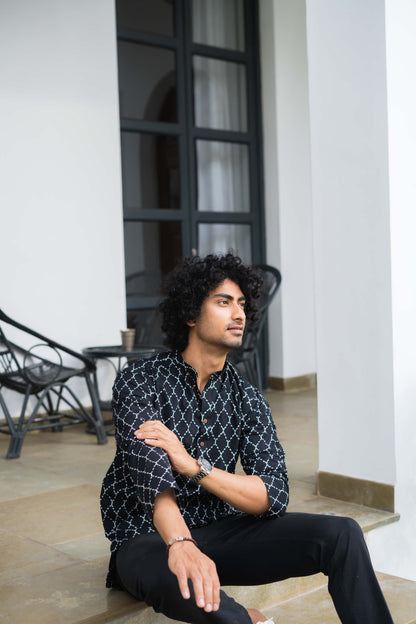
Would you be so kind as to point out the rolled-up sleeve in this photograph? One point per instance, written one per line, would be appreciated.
(149, 469)
(262, 454)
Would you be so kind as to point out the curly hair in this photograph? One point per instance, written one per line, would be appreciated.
(191, 282)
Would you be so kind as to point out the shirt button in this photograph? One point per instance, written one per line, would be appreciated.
(205, 421)
(202, 444)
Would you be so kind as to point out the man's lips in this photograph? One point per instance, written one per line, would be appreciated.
(236, 329)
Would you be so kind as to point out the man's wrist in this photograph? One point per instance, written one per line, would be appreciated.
(176, 540)
(194, 467)
(204, 470)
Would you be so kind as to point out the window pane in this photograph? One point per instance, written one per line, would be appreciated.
(218, 23)
(221, 237)
(152, 249)
(150, 169)
(223, 180)
(219, 94)
(147, 82)
(154, 16)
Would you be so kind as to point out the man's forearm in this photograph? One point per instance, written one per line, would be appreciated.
(167, 517)
(185, 560)
(247, 493)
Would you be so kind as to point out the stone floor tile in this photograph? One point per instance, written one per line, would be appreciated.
(16, 480)
(54, 517)
(300, 491)
(22, 557)
(316, 607)
(71, 595)
(87, 548)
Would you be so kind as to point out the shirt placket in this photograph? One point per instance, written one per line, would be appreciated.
(204, 439)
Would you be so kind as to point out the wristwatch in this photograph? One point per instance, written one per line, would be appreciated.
(206, 468)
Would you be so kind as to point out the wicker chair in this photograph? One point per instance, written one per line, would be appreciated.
(39, 376)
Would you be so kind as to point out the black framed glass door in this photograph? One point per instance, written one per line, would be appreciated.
(190, 136)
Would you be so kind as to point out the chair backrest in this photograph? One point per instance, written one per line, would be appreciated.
(8, 359)
(271, 282)
(40, 364)
(12, 352)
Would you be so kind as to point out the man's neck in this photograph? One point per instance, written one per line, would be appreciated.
(205, 362)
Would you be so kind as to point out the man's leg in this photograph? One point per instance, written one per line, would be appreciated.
(251, 551)
(142, 570)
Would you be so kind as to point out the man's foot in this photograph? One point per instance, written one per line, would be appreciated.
(258, 618)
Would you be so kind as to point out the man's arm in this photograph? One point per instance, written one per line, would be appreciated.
(185, 560)
(133, 404)
(247, 493)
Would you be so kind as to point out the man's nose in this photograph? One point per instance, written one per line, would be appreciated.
(238, 312)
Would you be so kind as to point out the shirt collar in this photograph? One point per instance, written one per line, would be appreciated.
(190, 372)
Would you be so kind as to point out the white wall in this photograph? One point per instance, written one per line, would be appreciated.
(61, 253)
(287, 185)
(394, 548)
(347, 78)
(60, 192)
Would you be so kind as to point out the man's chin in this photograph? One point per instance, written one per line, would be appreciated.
(235, 343)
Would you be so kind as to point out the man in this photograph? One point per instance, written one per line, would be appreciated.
(180, 520)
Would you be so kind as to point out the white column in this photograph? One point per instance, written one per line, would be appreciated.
(394, 547)
(287, 185)
(348, 115)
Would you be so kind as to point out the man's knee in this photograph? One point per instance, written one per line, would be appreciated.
(345, 540)
(345, 527)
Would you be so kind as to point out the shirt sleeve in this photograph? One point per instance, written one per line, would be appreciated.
(134, 402)
(262, 454)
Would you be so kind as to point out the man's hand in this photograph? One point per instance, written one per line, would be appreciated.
(187, 562)
(155, 433)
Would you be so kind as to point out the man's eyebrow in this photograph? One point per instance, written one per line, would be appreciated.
(230, 297)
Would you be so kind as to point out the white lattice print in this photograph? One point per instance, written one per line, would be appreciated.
(231, 419)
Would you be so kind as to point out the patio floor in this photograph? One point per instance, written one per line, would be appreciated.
(54, 553)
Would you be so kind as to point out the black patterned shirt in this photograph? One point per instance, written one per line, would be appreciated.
(230, 419)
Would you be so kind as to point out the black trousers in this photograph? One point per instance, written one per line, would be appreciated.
(254, 551)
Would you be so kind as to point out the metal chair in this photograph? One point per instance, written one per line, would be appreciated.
(39, 376)
(247, 358)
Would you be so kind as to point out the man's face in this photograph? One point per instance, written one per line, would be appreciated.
(222, 319)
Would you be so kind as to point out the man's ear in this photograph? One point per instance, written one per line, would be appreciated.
(191, 323)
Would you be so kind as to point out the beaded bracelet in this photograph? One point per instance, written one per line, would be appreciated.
(179, 539)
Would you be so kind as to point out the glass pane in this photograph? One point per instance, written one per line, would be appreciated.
(219, 94)
(147, 82)
(152, 249)
(150, 169)
(221, 237)
(223, 181)
(154, 16)
(218, 23)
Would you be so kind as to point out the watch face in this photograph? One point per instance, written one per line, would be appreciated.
(205, 463)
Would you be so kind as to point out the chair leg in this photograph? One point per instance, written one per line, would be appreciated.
(15, 446)
(96, 412)
(17, 430)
